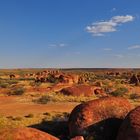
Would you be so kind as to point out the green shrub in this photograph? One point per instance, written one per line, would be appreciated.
(18, 91)
(4, 85)
(12, 81)
(44, 99)
(119, 92)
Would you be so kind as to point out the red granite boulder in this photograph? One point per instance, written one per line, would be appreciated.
(97, 115)
(24, 134)
(78, 90)
(130, 128)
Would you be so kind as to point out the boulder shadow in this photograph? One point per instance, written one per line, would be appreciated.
(104, 130)
(56, 128)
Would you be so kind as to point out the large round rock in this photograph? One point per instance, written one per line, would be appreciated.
(130, 128)
(78, 90)
(24, 134)
(97, 114)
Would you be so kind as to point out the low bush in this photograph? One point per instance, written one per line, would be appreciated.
(18, 91)
(4, 85)
(56, 117)
(119, 92)
(58, 97)
(12, 81)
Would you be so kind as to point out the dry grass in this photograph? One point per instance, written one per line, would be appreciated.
(18, 121)
(58, 97)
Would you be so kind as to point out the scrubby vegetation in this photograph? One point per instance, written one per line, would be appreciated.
(31, 119)
(38, 88)
(17, 91)
(58, 97)
(120, 92)
(4, 85)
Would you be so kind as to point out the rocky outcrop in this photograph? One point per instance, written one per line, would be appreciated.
(130, 128)
(98, 117)
(24, 134)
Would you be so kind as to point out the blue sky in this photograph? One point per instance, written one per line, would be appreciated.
(69, 33)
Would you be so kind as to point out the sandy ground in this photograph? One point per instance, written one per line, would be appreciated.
(11, 106)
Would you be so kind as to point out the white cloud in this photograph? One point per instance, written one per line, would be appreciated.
(61, 45)
(107, 49)
(134, 47)
(113, 9)
(118, 55)
(99, 28)
(122, 19)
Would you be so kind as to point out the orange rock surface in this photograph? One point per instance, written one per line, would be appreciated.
(24, 134)
(86, 115)
(130, 129)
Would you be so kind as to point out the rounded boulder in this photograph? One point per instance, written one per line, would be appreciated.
(98, 116)
(78, 90)
(24, 134)
(130, 128)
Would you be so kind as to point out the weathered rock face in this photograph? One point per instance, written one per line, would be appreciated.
(78, 90)
(24, 134)
(97, 115)
(130, 128)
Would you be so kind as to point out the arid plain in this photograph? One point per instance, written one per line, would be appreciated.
(48, 100)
